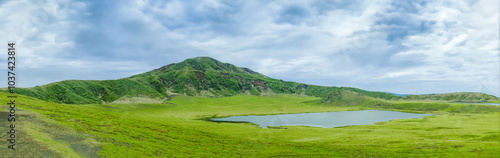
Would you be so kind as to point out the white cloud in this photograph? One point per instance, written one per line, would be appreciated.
(462, 47)
(366, 43)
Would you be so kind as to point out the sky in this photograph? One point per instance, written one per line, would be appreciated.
(398, 46)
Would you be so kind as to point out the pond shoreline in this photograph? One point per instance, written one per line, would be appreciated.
(321, 119)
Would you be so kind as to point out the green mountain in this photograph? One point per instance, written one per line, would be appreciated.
(201, 76)
(345, 97)
(457, 97)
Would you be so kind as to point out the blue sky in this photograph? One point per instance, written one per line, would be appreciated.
(400, 46)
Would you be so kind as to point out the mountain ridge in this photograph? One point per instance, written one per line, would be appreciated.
(200, 76)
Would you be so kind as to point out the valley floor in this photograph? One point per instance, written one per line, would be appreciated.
(177, 128)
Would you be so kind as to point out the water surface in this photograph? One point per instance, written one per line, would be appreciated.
(323, 119)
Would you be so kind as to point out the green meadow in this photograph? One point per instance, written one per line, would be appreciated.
(178, 128)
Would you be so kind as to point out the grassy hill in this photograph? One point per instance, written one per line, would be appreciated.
(201, 76)
(91, 92)
(457, 97)
(345, 97)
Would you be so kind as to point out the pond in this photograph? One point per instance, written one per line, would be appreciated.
(323, 119)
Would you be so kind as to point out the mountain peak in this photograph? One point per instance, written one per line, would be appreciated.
(206, 64)
(200, 76)
(204, 58)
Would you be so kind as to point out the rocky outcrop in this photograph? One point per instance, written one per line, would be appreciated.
(199, 75)
(260, 83)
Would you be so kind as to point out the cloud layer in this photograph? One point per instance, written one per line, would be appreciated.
(396, 46)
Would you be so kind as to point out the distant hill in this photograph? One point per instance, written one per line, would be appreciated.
(345, 97)
(401, 95)
(201, 76)
(458, 97)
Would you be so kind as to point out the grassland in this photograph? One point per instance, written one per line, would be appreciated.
(176, 128)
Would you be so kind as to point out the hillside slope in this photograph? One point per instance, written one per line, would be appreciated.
(201, 76)
(457, 97)
(345, 97)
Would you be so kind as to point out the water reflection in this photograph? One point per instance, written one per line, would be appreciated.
(324, 119)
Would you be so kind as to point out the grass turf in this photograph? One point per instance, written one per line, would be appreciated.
(176, 128)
